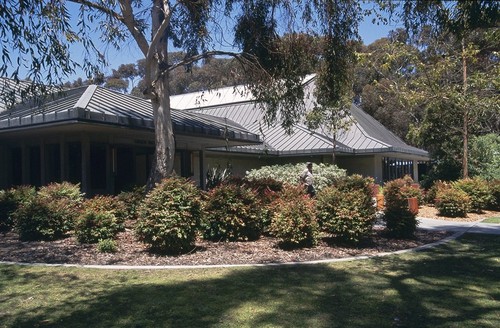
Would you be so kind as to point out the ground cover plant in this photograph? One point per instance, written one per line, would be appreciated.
(454, 285)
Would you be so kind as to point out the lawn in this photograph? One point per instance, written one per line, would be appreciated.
(492, 220)
(455, 285)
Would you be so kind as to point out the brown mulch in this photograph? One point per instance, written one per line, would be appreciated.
(431, 212)
(264, 250)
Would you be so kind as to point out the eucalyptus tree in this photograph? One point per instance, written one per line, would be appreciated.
(458, 21)
(39, 35)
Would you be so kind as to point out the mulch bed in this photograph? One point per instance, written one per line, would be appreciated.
(132, 252)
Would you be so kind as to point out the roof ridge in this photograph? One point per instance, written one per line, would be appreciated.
(86, 97)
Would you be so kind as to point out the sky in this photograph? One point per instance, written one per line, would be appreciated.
(129, 52)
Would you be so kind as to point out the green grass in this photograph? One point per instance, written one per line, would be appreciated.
(492, 220)
(455, 285)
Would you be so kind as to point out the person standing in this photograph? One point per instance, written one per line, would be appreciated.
(307, 179)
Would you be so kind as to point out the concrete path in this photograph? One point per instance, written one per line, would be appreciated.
(469, 227)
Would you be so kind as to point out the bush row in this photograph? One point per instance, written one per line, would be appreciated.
(456, 199)
(175, 213)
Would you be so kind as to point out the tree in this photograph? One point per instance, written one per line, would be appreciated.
(276, 80)
(459, 19)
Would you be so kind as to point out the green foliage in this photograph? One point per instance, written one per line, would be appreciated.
(101, 218)
(170, 216)
(324, 174)
(294, 220)
(50, 214)
(131, 200)
(400, 221)
(232, 213)
(216, 176)
(478, 192)
(484, 157)
(266, 190)
(346, 214)
(7, 206)
(107, 246)
(494, 187)
(452, 202)
(431, 193)
(10, 200)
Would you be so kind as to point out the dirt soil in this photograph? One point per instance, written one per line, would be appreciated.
(264, 250)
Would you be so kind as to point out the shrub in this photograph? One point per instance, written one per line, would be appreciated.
(452, 202)
(35, 220)
(231, 213)
(107, 246)
(431, 194)
(170, 216)
(101, 218)
(494, 187)
(294, 221)
(478, 192)
(131, 201)
(266, 190)
(347, 215)
(7, 206)
(217, 176)
(64, 200)
(50, 214)
(324, 174)
(400, 221)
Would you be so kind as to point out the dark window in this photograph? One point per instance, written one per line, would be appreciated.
(74, 162)
(395, 168)
(17, 166)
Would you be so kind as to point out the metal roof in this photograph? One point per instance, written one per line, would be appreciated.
(365, 135)
(100, 105)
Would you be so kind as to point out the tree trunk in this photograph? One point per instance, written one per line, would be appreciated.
(157, 78)
(465, 163)
(163, 161)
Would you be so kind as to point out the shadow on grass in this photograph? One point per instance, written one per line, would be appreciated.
(454, 285)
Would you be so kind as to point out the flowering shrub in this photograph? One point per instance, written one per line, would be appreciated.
(400, 221)
(170, 216)
(452, 202)
(101, 218)
(294, 219)
(64, 200)
(232, 213)
(347, 215)
(324, 174)
(478, 192)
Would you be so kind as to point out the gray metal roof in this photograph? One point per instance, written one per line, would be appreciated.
(366, 135)
(100, 105)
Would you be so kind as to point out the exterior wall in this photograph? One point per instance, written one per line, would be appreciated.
(364, 165)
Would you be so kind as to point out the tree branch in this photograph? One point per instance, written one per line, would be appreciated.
(129, 21)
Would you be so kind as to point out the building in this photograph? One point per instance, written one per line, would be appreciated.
(366, 148)
(105, 140)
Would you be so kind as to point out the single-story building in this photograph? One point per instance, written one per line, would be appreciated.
(366, 148)
(105, 140)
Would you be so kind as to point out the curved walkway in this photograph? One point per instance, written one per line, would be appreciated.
(459, 228)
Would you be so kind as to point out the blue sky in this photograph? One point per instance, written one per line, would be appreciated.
(129, 52)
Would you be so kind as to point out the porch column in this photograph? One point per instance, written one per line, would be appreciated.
(43, 166)
(415, 170)
(110, 162)
(202, 169)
